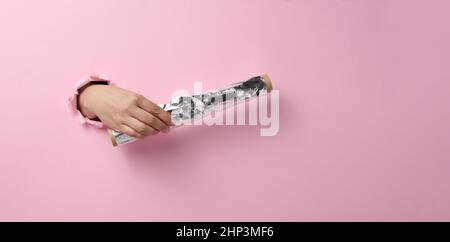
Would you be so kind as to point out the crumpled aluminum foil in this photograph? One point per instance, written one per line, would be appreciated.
(187, 108)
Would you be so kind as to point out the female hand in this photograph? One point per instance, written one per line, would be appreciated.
(123, 110)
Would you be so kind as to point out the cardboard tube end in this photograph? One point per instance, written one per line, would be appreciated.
(266, 79)
(113, 139)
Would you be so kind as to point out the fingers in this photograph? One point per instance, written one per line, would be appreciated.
(149, 119)
(129, 131)
(154, 109)
(136, 128)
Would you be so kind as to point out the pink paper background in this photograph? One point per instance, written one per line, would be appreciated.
(364, 105)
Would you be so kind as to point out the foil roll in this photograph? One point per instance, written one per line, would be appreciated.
(186, 108)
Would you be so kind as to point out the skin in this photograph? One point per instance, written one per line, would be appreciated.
(123, 110)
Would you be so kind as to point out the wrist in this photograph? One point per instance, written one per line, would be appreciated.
(84, 101)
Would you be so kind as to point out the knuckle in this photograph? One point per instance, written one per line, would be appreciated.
(129, 108)
(118, 118)
(136, 97)
(156, 109)
(131, 101)
(124, 108)
(141, 128)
